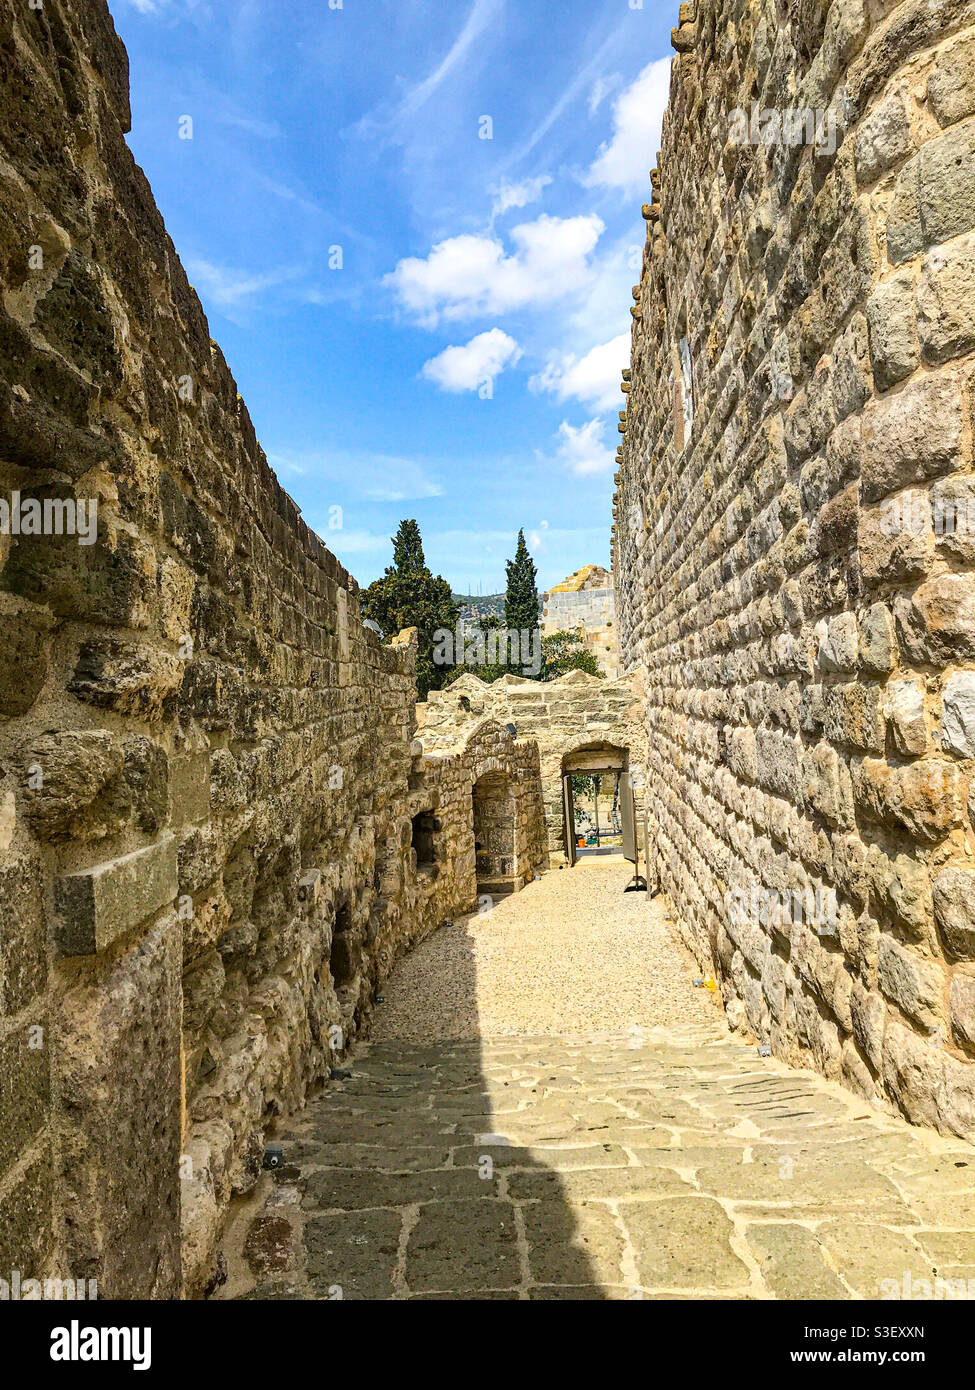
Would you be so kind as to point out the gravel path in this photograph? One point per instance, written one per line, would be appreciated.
(571, 953)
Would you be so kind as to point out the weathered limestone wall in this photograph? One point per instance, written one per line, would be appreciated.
(798, 426)
(585, 603)
(208, 771)
(487, 790)
(564, 717)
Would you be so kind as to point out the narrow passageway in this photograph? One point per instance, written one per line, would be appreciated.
(548, 1109)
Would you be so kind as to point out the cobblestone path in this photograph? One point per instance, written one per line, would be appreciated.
(644, 1162)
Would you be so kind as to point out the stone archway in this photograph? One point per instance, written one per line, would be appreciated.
(609, 763)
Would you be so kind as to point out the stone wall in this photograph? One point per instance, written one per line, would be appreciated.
(488, 793)
(798, 425)
(586, 603)
(564, 717)
(209, 781)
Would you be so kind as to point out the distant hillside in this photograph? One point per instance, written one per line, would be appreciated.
(480, 604)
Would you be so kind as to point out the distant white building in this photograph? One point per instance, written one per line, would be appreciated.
(585, 603)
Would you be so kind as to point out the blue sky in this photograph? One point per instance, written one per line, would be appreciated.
(423, 321)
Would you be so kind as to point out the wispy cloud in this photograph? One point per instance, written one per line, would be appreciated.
(365, 477)
(389, 118)
(478, 19)
(601, 89)
(582, 80)
(227, 288)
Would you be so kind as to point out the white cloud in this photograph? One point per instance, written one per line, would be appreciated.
(476, 364)
(625, 161)
(582, 449)
(593, 379)
(469, 275)
(536, 539)
(517, 195)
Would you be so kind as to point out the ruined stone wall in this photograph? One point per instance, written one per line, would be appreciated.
(563, 717)
(486, 788)
(586, 603)
(208, 770)
(798, 425)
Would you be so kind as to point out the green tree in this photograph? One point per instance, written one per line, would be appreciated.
(408, 595)
(566, 651)
(521, 598)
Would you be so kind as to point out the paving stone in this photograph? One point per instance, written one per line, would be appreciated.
(466, 1296)
(581, 1244)
(331, 1188)
(594, 1184)
(355, 1252)
(801, 1178)
(948, 1248)
(869, 1266)
(683, 1242)
(791, 1260)
(466, 1244)
(516, 1156)
(587, 1293)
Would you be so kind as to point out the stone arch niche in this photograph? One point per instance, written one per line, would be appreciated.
(495, 858)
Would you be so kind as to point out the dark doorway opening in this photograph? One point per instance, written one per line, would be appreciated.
(494, 834)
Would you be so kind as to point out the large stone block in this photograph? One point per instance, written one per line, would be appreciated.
(117, 1041)
(936, 625)
(98, 905)
(951, 82)
(895, 347)
(922, 797)
(946, 302)
(954, 910)
(128, 677)
(25, 1087)
(23, 639)
(884, 139)
(68, 781)
(27, 1219)
(958, 714)
(963, 1008)
(911, 436)
(946, 184)
(914, 984)
(23, 939)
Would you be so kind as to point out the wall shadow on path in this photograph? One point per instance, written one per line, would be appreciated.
(398, 1182)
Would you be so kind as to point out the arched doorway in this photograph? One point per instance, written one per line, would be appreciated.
(597, 802)
(494, 834)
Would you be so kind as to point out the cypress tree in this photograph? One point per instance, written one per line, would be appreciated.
(408, 595)
(521, 598)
